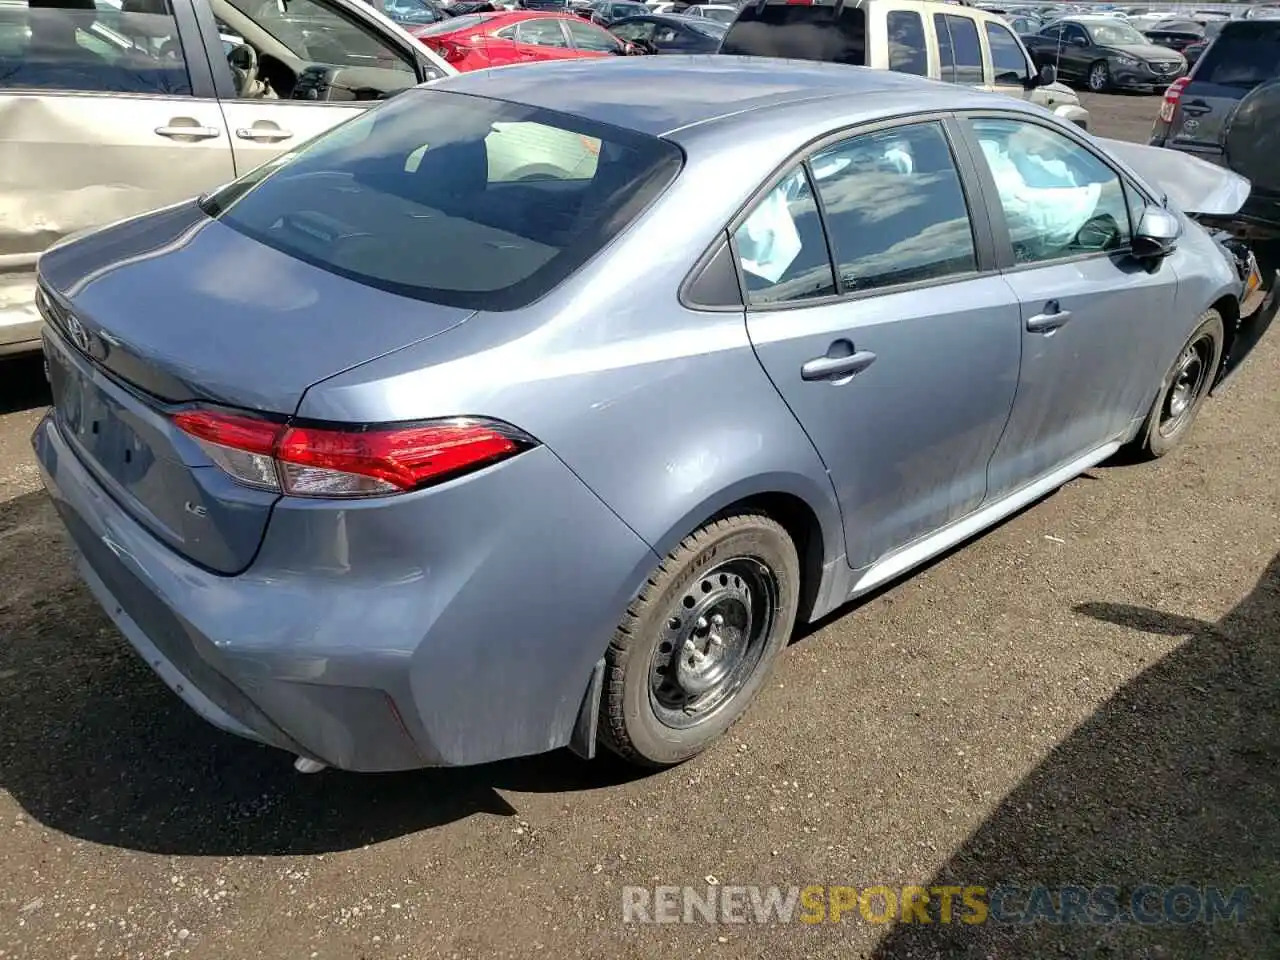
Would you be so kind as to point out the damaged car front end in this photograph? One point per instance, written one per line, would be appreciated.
(1216, 199)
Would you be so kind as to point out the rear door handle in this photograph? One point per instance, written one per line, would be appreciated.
(836, 368)
(263, 134)
(176, 131)
(1049, 321)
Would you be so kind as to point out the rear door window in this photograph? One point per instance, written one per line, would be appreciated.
(781, 248)
(967, 50)
(908, 52)
(894, 208)
(471, 202)
(799, 33)
(1243, 57)
(541, 33)
(102, 47)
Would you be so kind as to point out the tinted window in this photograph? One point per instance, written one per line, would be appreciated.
(908, 52)
(317, 33)
(1052, 32)
(798, 32)
(1007, 60)
(1071, 33)
(542, 33)
(108, 48)
(468, 201)
(968, 50)
(895, 211)
(1243, 57)
(587, 37)
(781, 247)
(1059, 200)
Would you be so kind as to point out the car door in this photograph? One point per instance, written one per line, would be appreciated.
(1007, 65)
(106, 111)
(1077, 50)
(338, 59)
(901, 364)
(592, 41)
(1045, 47)
(1063, 218)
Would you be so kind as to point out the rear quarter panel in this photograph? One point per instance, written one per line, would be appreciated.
(661, 410)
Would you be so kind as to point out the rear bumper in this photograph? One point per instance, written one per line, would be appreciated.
(19, 320)
(451, 626)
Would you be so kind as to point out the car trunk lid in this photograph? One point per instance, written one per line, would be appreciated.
(171, 309)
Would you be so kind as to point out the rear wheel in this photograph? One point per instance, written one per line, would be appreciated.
(699, 641)
(1184, 389)
(1099, 77)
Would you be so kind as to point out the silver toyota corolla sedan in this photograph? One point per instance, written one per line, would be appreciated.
(516, 414)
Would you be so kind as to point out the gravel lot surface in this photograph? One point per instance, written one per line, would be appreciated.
(1087, 694)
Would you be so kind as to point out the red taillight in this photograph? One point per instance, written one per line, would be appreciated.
(1171, 98)
(451, 51)
(347, 462)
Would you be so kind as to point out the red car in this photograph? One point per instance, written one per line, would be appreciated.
(478, 40)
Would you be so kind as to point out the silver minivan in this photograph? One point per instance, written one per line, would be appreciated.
(110, 108)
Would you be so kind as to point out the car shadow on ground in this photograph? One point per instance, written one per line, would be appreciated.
(1172, 781)
(94, 746)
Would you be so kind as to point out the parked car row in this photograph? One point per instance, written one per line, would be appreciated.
(1105, 54)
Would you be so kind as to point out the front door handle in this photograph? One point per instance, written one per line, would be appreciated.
(838, 367)
(1049, 321)
(270, 134)
(185, 128)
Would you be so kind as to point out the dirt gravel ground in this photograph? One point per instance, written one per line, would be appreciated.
(1087, 694)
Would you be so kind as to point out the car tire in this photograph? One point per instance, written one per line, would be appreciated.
(1099, 77)
(1184, 389)
(699, 640)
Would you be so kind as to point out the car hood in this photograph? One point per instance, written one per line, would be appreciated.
(185, 307)
(1143, 51)
(1194, 185)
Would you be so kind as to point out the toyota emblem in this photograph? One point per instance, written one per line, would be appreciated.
(77, 333)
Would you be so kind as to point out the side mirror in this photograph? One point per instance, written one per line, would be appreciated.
(1048, 74)
(1079, 42)
(1157, 234)
(632, 49)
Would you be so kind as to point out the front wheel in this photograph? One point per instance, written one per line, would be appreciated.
(700, 640)
(1184, 388)
(1100, 77)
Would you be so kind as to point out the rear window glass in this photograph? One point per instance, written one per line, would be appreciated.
(799, 33)
(449, 24)
(1242, 58)
(455, 199)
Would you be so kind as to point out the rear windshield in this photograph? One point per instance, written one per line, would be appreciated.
(467, 21)
(451, 198)
(799, 33)
(1243, 57)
